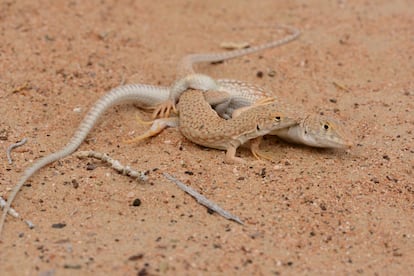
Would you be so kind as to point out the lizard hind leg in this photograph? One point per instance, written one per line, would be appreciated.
(156, 128)
(260, 102)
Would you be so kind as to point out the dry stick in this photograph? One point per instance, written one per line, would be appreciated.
(11, 147)
(203, 200)
(126, 170)
(11, 210)
(14, 212)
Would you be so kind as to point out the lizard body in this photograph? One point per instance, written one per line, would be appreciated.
(199, 123)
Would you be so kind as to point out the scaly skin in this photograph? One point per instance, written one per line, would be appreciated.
(199, 123)
(206, 128)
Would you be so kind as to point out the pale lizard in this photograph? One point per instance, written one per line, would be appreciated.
(147, 96)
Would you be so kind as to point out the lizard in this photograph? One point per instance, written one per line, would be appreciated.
(146, 96)
(199, 123)
(310, 130)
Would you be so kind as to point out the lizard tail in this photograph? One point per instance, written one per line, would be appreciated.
(185, 67)
(140, 93)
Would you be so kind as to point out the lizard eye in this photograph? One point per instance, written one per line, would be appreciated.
(257, 127)
(326, 126)
(277, 118)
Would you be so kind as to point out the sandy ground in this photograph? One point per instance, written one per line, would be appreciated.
(312, 212)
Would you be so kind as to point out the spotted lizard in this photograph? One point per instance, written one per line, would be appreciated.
(198, 122)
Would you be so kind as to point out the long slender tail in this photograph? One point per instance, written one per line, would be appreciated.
(140, 93)
(185, 66)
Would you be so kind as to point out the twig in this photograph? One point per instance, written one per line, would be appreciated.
(115, 164)
(203, 200)
(11, 147)
(126, 170)
(11, 210)
(14, 212)
(340, 86)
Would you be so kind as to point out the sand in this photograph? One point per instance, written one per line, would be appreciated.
(311, 211)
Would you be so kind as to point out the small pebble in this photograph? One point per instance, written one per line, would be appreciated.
(91, 166)
(277, 167)
(391, 178)
(58, 225)
(375, 180)
(72, 266)
(136, 202)
(75, 183)
(4, 135)
(263, 173)
(271, 73)
(143, 272)
(77, 110)
(136, 257)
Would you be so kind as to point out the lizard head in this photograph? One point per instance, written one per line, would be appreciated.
(274, 120)
(324, 132)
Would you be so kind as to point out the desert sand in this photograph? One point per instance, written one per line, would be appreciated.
(311, 211)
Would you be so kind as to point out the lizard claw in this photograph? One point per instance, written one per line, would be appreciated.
(259, 154)
(147, 134)
(164, 109)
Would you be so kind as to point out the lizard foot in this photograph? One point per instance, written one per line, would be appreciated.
(156, 128)
(231, 157)
(234, 160)
(142, 122)
(259, 154)
(147, 134)
(264, 101)
(164, 109)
